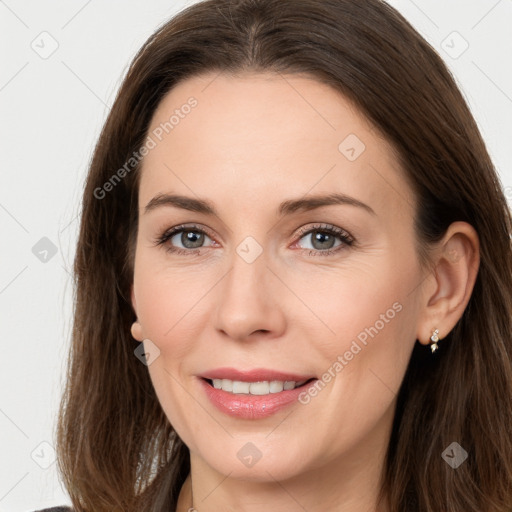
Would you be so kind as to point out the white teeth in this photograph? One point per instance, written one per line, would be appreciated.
(260, 388)
(276, 386)
(227, 385)
(238, 387)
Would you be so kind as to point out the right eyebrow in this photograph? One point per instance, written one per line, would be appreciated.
(184, 202)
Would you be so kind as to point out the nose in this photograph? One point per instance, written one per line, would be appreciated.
(250, 301)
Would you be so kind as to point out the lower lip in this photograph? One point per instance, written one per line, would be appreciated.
(252, 407)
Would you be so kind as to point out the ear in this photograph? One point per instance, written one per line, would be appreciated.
(136, 328)
(448, 288)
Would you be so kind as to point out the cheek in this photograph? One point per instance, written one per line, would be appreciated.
(364, 359)
(346, 302)
(168, 305)
(168, 299)
(368, 318)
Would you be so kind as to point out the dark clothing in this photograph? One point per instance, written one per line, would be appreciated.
(56, 509)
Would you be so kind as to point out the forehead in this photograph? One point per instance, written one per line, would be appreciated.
(266, 136)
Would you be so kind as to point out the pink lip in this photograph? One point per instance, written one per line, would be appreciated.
(251, 407)
(258, 374)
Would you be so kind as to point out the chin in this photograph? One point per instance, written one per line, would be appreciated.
(269, 467)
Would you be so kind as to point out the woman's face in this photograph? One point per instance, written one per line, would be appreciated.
(278, 278)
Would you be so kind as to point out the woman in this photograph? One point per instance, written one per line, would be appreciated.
(293, 276)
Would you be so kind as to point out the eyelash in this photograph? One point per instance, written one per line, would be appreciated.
(346, 239)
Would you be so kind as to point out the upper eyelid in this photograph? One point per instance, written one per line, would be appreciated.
(324, 227)
(179, 228)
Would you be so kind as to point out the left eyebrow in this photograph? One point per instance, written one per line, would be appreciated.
(313, 202)
(285, 208)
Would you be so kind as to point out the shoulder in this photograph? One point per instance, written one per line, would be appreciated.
(56, 509)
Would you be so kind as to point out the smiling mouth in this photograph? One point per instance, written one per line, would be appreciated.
(237, 387)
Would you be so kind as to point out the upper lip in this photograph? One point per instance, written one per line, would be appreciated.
(255, 375)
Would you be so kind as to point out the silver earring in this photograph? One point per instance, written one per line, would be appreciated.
(434, 339)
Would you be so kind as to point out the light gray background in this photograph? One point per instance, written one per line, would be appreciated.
(52, 110)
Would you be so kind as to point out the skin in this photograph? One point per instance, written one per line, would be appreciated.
(254, 141)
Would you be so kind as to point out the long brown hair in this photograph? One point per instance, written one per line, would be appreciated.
(116, 449)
